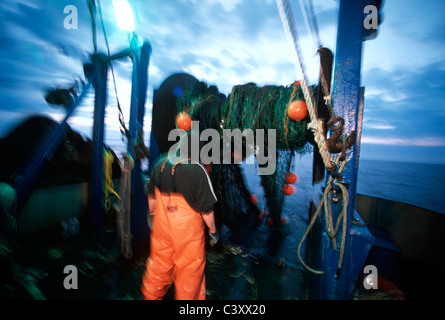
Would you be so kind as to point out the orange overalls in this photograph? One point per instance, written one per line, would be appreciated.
(177, 252)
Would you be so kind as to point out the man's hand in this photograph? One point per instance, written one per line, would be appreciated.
(214, 238)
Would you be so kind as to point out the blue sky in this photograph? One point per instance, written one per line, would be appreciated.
(231, 42)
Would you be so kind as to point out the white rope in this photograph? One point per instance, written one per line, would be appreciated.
(314, 34)
(315, 125)
(314, 23)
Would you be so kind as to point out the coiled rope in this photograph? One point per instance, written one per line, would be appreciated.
(331, 230)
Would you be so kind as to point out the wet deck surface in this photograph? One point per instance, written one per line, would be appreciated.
(233, 272)
(243, 276)
(251, 267)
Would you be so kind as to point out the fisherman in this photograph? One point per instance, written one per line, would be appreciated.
(181, 198)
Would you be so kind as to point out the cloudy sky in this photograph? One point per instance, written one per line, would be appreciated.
(227, 43)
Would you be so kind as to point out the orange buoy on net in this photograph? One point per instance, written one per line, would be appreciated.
(237, 157)
(289, 189)
(297, 110)
(291, 178)
(253, 199)
(183, 121)
(259, 216)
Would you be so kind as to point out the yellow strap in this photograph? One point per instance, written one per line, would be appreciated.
(109, 185)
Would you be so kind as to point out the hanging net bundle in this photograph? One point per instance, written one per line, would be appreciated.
(252, 107)
(248, 107)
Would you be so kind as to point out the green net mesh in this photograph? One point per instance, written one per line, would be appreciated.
(248, 107)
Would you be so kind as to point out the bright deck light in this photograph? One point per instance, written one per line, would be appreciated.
(124, 15)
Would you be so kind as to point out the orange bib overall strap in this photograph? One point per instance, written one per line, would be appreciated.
(177, 251)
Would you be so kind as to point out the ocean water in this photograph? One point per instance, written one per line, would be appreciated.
(418, 184)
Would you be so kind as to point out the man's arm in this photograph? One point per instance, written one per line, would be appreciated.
(209, 219)
(151, 204)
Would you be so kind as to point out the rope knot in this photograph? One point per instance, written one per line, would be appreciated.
(327, 99)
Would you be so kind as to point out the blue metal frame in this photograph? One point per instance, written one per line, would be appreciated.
(140, 54)
(100, 61)
(139, 205)
(348, 103)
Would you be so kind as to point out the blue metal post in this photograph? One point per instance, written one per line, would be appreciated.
(139, 206)
(347, 79)
(348, 103)
(100, 62)
(154, 148)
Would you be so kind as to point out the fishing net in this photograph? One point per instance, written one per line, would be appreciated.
(248, 107)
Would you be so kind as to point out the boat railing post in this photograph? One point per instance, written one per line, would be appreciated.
(139, 207)
(100, 62)
(339, 283)
(348, 98)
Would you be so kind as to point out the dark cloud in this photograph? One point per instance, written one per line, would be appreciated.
(412, 101)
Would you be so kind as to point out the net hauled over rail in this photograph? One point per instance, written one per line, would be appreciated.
(249, 107)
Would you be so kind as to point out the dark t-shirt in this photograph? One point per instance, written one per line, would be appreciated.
(191, 181)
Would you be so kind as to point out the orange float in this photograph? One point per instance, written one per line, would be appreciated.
(297, 110)
(253, 199)
(260, 216)
(237, 157)
(289, 189)
(183, 121)
(291, 178)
